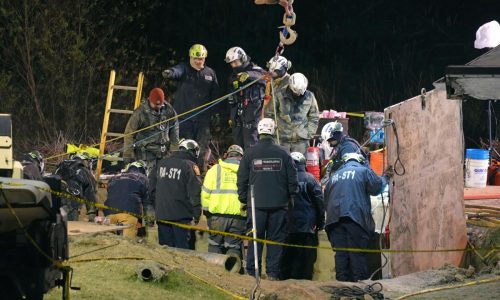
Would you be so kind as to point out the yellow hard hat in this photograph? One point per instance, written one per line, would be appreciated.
(198, 51)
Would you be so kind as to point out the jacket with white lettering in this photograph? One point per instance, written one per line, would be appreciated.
(175, 187)
(194, 88)
(347, 194)
(219, 194)
(271, 170)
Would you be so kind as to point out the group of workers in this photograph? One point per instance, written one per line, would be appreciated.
(260, 184)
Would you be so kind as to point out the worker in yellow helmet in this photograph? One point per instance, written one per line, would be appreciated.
(197, 85)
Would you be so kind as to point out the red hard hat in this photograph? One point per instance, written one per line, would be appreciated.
(156, 96)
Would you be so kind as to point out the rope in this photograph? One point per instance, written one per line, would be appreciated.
(494, 248)
(373, 290)
(220, 99)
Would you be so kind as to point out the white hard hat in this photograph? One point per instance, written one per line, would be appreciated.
(235, 53)
(353, 156)
(266, 126)
(298, 83)
(298, 157)
(279, 63)
(190, 145)
(329, 129)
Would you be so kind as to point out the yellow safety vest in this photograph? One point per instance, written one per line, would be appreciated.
(219, 193)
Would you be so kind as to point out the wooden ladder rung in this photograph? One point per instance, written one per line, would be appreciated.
(124, 87)
(121, 111)
(114, 134)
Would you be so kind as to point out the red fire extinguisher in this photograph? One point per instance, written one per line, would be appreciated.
(312, 161)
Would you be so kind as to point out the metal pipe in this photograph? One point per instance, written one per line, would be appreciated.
(230, 262)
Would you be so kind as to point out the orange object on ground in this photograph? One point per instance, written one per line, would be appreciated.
(377, 160)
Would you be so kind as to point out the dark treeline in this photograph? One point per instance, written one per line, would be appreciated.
(359, 55)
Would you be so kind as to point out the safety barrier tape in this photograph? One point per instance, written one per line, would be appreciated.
(172, 118)
(248, 238)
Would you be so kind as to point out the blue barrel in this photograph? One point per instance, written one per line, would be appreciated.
(478, 154)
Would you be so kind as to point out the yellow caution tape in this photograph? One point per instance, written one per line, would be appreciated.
(244, 237)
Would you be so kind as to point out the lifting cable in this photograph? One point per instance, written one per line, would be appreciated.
(205, 105)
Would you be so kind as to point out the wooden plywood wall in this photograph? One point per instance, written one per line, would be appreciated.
(427, 204)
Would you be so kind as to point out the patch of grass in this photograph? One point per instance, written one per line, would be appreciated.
(117, 280)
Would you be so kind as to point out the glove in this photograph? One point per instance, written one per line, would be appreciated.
(389, 172)
(91, 217)
(243, 76)
(167, 74)
(150, 216)
(243, 209)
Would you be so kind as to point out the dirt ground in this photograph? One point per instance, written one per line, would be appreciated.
(126, 252)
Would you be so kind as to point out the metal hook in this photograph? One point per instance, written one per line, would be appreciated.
(291, 35)
(289, 20)
(423, 95)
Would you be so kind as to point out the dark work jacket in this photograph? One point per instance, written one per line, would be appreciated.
(31, 170)
(271, 170)
(247, 107)
(79, 180)
(194, 89)
(175, 188)
(127, 192)
(347, 194)
(308, 211)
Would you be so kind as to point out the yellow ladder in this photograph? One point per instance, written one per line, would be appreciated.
(108, 110)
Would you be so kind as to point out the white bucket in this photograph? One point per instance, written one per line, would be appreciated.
(476, 172)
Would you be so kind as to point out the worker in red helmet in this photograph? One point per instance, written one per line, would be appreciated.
(155, 142)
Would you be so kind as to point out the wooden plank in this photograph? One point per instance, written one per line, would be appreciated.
(427, 208)
(81, 227)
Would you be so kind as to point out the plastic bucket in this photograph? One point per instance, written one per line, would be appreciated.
(476, 168)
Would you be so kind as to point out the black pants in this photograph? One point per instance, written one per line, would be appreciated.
(226, 244)
(298, 263)
(174, 236)
(349, 266)
(198, 130)
(271, 225)
(244, 137)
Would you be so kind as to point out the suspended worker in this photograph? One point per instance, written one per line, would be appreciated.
(127, 192)
(197, 85)
(269, 168)
(33, 165)
(219, 199)
(349, 221)
(278, 67)
(307, 217)
(80, 183)
(297, 114)
(156, 121)
(175, 194)
(245, 105)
